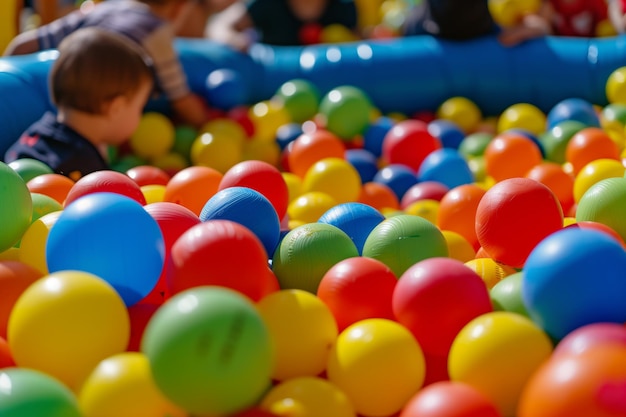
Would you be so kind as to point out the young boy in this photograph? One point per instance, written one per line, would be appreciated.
(281, 22)
(149, 23)
(100, 84)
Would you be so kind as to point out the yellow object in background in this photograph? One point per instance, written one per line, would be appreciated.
(8, 22)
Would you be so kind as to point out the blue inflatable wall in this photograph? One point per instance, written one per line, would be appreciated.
(404, 75)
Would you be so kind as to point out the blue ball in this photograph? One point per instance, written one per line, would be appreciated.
(398, 177)
(225, 89)
(249, 208)
(357, 220)
(288, 133)
(364, 162)
(575, 277)
(446, 166)
(375, 133)
(113, 237)
(573, 109)
(449, 133)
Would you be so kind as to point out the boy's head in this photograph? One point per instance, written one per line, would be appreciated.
(94, 67)
(307, 10)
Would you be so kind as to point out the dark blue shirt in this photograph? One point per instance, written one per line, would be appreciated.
(60, 147)
(276, 24)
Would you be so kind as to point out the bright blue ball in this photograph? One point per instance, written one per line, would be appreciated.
(249, 208)
(573, 109)
(364, 162)
(287, 134)
(374, 135)
(449, 133)
(225, 89)
(575, 277)
(357, 220)
(446, 166)
(398, 177)
(113, 237)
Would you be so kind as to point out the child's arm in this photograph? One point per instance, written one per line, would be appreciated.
(191, 110)
(532, 26)
(231, 26)
(22, 44)
(616, 15)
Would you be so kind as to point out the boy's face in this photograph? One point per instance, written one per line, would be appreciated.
(307, 10)
(128, 114)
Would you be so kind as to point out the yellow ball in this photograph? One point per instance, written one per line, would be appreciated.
(378, 364)
(595, 171)
(309, 207)
(426, 208)
(511, 12)
(616, 86)
(294, 185)
(33, 246)
(267, 116)
(462, 111)
(459, 248)
(497, 353)
(225, 127)
(605, 28)
(335, 177)
(489, 270)
(217, 151)
(171, 161)
(153, 137)
(153, 193)
(260, 150)
(302, 329)
(522, 116)
(65, 323)
(567, 221)
(336, 33)
(11, 254)
(307, 396)
(122, 386)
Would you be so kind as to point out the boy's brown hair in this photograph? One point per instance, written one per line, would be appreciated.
(95, 66)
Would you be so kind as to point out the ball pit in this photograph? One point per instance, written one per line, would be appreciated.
(515, 92)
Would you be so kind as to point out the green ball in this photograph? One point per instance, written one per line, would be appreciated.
(127, 162)
(605, 202)
(615, 112)
(506, 295)
(184, 137)
(301, 99)
(16, 207)
(555, 140)
(28, 168)
(403, 240)
(347, 111)
(32, 393)
(307, 252)
(475, 144)
(42, 205)
(210, 351)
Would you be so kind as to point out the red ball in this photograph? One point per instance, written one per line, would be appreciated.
(425, 190)
(262, 177)
(589, 336)
(514, 216)
(219, 252)
(356, 289)
(6, 358)
(139, 315)
(310, 34)
(106, 181)
(588, 224)
(408, 142)
(148, 175)
(450, 399)
(435, 298)
(241, 115)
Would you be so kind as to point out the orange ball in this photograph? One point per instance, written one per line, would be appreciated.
(589, 144)
(192, 187)
(56, 186)
(457, 211)
(309, 148)
(553, 176)
(511, 155)
(15, 277)
(379, 196)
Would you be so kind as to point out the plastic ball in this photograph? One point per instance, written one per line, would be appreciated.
(310, 34)
(249, 208)
(446, 166)
(17, 207)
(556, 288)
(267, 116)
(217, 150)
(375, 134)
(309, 207)
(294, 186)
(219, 252)
(311, 147)
(364, 162)
(6, 358)
(573, 109)
(555, 140)
(462, 111)
(153, 137)
(34, 393)
(435, 298)
(475, 144)
(506, 295)
(67, 322)
(408, 143)
(616, 86)
(588, 145)
(497, 353)
(356, 219)
(590, 336)
(587, 224)
(122, 385)
(335, 177)
(457, 211)
(34, 242)
(449, 399)
(184, 136)
(15, 278)
(554, 177)
(148, 175)
(449, 134)
(210, 351)
(105, 181)
(42, 205)
(336, 33)
(490, 271)
(603, 202)
(426, 209)
(403, 240)
(511, 155)
(287, 134)
(302, 329)
(356, 289)
(193, 187)
(346, 110)
(379, 196)
(111, 236)
(458, 247)
(398, 177)
(378, 364)
(512, 234)
(56, 186)
(300, 97)
(522, 116)
(424, 190)
(225, 89)
(593, 173)
(28, 168)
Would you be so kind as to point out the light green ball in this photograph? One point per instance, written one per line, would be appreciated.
(16, 207)
(347, 111)
(301, 99)
(605, 202)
